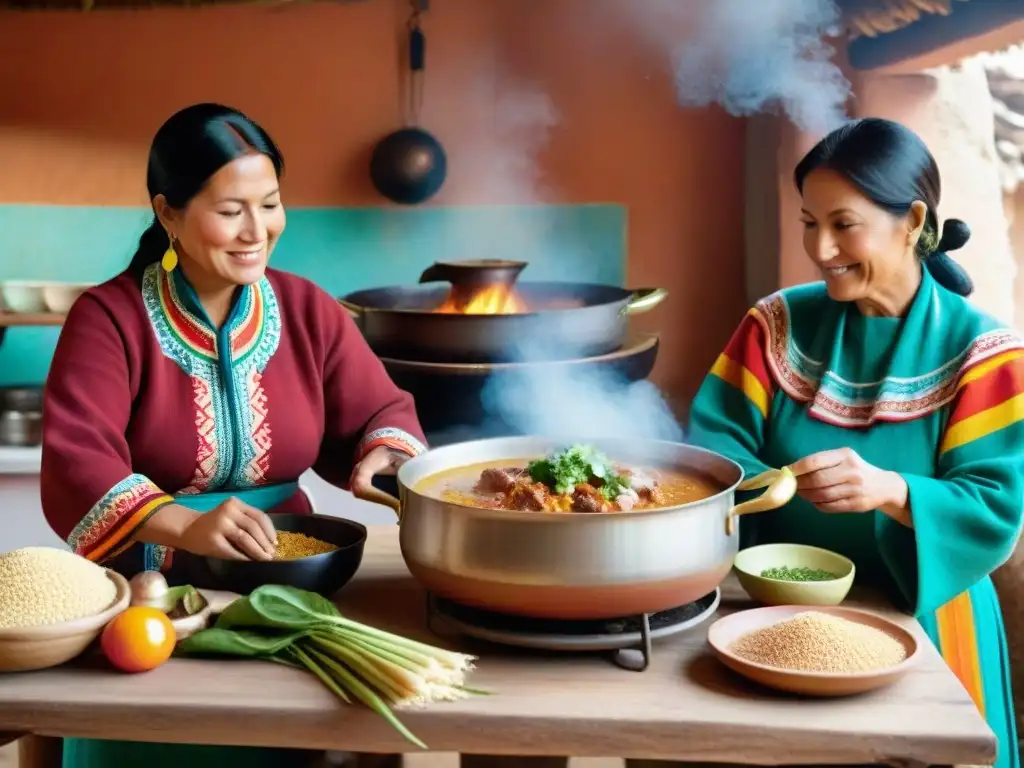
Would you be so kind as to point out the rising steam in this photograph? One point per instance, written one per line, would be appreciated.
(749, 56)
(576, 402)
(567, 402)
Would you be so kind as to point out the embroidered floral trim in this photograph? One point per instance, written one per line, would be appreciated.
(107, 528)
(156, 557)
(849, 404)
(255, 336)
(392, 437)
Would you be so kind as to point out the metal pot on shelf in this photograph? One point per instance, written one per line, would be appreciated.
(21, 417)
(21, 429)
(575, 566)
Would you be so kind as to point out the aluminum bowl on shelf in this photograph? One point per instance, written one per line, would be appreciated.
(21, 398)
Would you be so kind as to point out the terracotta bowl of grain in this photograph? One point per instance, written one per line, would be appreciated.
(822, 651)
(318, 554)
(23, 649)
(794, 574)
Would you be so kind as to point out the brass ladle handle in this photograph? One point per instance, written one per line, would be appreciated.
(781, 487)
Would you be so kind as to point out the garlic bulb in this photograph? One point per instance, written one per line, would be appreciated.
(149, 588)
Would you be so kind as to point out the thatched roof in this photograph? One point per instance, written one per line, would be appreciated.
(871, 18)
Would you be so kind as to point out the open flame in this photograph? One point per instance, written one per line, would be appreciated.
(498, 299)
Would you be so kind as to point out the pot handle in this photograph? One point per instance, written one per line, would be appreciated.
(377, 496)
(353, 309)
(644, 300)
(781, 487)
(437, 272)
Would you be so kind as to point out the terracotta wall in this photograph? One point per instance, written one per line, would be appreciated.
(83, 93)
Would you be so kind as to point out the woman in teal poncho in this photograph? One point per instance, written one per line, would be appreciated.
(899, 405)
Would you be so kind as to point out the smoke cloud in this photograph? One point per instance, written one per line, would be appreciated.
(749, 56)
(568, 402)
(576, 401)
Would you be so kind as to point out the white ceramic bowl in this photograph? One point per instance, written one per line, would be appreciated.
(23, 297)
(60, 296)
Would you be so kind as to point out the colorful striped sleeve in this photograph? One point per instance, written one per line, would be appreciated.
(108, 527)
(968, 517)
(730, 411)
(90, 495)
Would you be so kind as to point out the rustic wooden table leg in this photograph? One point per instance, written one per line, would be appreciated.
(40, 752)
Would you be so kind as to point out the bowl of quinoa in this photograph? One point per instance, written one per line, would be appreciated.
(53, 605)
(316, 553)
(815, 652)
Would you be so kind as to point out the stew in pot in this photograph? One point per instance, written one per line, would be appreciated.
(578, 479)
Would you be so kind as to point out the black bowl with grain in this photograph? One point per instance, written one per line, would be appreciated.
(323, 573)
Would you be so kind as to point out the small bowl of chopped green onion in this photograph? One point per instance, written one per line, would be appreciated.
(794, 574)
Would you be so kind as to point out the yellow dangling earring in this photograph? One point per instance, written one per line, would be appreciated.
(170, 259)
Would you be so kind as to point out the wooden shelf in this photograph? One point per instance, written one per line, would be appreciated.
(16, 460)
(11, 319)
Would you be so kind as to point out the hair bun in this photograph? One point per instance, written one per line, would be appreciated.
(955, 234)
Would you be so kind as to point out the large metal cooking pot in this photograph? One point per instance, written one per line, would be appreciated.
(570, 565)
(566, 320)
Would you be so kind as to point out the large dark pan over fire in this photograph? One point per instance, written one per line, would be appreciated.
(484, 316)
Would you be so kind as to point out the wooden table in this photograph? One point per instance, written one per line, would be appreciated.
(686, 706)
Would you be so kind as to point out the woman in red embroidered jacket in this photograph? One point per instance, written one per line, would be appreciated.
(188, 394)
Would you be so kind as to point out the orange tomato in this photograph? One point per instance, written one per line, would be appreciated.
(138, 640)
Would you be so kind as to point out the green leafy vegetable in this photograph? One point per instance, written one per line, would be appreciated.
(576, 465)
(801, 573)
(614, 487)
(184, 601)
(354, 661)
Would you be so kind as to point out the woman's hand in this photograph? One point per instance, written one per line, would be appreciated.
(232, 530)
(380, 461)
(841, 481)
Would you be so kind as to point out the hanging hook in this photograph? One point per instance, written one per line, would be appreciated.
(417, 61)
(419, 7)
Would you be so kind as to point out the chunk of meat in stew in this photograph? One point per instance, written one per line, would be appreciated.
(586, 498)
(527, 496)
(498, 480)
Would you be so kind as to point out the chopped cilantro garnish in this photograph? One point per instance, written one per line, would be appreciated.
(563, 471)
